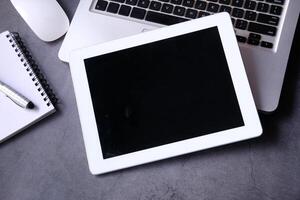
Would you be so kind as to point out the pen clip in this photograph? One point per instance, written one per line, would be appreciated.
(14, 101)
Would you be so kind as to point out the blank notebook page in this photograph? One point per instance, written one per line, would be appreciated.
(13, 73)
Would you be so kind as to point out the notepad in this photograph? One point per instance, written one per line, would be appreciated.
(18, 70)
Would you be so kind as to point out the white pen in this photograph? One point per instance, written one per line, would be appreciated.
(16, 97)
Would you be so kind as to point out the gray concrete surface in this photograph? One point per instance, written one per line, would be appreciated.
(48, 161)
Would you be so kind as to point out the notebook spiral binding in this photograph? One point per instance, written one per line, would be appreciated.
(32, 68)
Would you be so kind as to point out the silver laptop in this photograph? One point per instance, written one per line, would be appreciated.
(264, 30)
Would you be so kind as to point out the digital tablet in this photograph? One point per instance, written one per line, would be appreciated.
(163, 93)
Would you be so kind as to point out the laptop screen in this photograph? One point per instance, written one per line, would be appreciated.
(162, 92)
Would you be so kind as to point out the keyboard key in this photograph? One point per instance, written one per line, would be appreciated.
(188, 3)
(200, 5)
(167, 8)
(177, 2)
(191, 13)
(241, 39)
(113, 7)
(119, 1)
(262, 7)
(138, 13)
(233, 21)
(268, 19)
(266, 44)
(124, 10)
(254, 36)
(166, 1)
(203, 14)
(212, 7)
(241, 24)
(237, 3)
(250, 15)
(178, 10)
(239, 13)
(131, 2)
(262, 29)
(253, 41)
(281, 2)
(276, 10)
(163, 18)
(225, 9)
(101, 5)
(250, 5)
(154, 5)
(227, 2)
(213, 0)
(143, 3)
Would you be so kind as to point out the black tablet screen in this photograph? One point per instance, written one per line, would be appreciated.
(162, 92)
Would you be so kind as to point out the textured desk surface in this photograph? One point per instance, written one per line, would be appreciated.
(48, 161)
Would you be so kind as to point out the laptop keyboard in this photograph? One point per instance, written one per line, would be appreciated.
(256, 21)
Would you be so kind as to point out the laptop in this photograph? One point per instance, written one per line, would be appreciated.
(264, 30)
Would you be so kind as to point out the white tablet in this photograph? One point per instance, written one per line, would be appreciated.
(163, 93)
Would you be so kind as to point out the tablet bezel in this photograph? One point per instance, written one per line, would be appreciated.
(252, 127)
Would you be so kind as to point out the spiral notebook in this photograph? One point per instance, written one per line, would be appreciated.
(19, 71)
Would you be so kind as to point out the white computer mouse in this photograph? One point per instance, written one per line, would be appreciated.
(46, 18)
